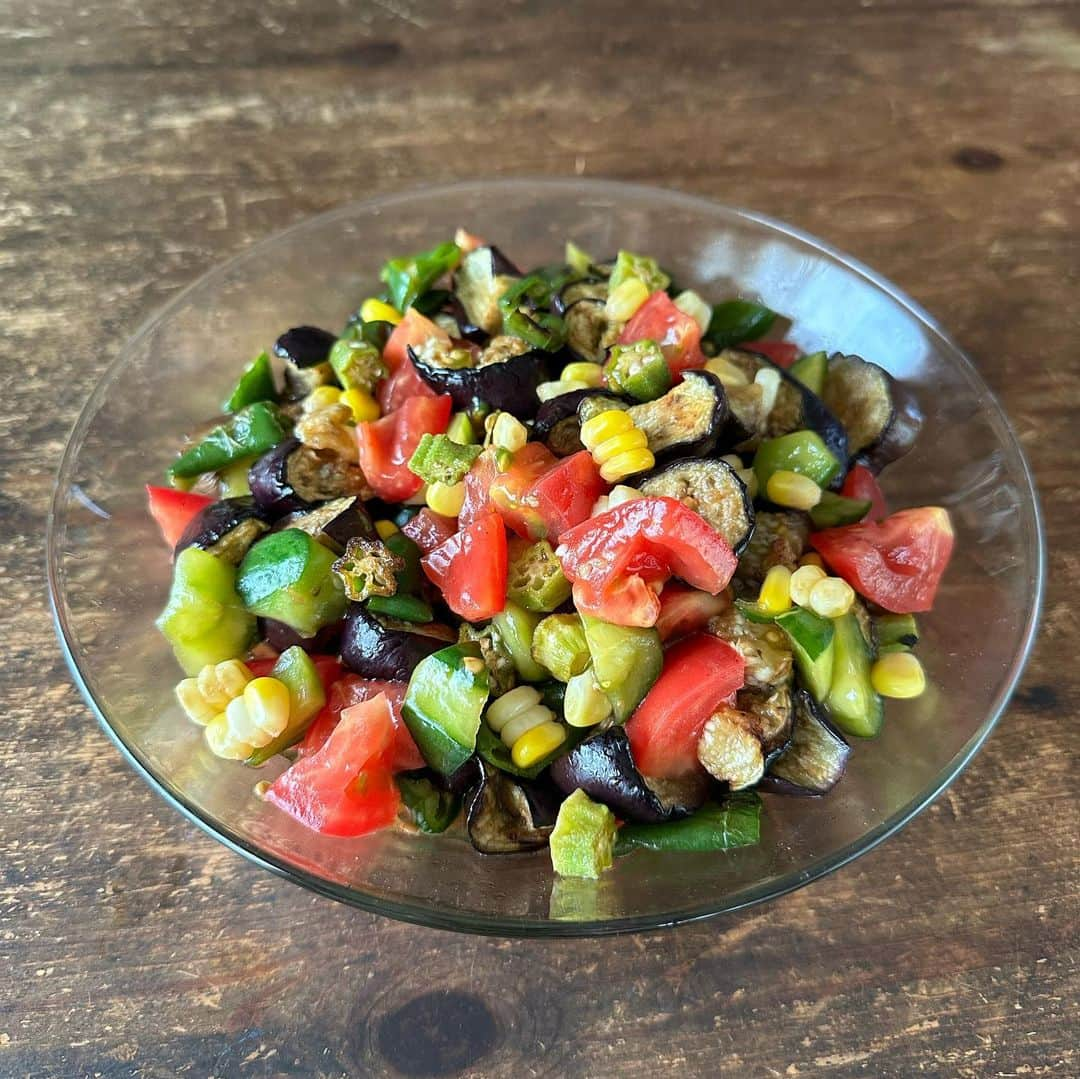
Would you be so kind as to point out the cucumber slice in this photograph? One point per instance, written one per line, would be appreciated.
(811, 371)
(812, 647)
(853, 705)
(626, 662)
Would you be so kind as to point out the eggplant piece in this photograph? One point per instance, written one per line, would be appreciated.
(586, 325)
(774, 710)
(815, 760)
(293, 477)
(730, 748)
(779, 539)
(711, 488)
(382, 649)
(509, 385)
(281, 637)
(687, 421)
(795, 408)
(764, 647)
(604, 769)
(557, 424)
(501, 816)
(454, 309)
(225, 529)
(881, 417)
(334, 523)
(306, 350)
(592, 289)
(481, 278)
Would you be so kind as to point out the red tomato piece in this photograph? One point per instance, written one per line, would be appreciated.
(429, 529)
(676, 332)
(564, 495)
(862, 484)
(511, 491)
(345, 788)
(173, 510)
(614, 557)
(478, 481)
(700, 673)
(402, 381)
(782, 353)
(686, 610)
(470, 569)
(897, 562)
(387, 444)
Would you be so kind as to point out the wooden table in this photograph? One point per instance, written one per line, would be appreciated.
(142, 142)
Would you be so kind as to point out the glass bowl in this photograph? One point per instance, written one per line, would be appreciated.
(109, 572)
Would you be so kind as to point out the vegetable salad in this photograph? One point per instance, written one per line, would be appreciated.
(573, 554)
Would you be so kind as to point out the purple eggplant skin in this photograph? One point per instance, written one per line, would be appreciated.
(453, 307)
(213, 523)
(268, 479)
(280, 637)
(499, 815)
(373, 650)
(603, 768)
(333, 523)
(304, 346)
(815, 759)
(509, 386)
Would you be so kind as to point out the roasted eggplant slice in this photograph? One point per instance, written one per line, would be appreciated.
(687, 421)
(501, 816)
(509, 385)
(586, 324)
(730, 748)
(387, 650)
(881, 417)
(603, 768)
(815, 760)
(483, 276)
(711, 488)
(764, 647)
(225, 529)
(306, 350)
(779, 539)
(334, 523)
(281, 637)
(558, 420)
(293, 477)
(774, 710)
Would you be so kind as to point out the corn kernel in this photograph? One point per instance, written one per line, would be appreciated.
(690, 303)
(193, 702)
(622, 493)
(831, 597)
(727, 372)
(364, 407)
(592, 374)
(547, 390)
(385, 529)
(803, 581)
(267, 702)
(634, 439)
(322, 397)
(769, 381)
(627, 464)
(524, 722)
(625, 299)
(372, 310)
(222, 743)
(812, 558)
(503, 709)
(793, 490)
(898, 675)
(508, 432)
(445, 498)
(775, 594)
(538, 743)
(605, 425)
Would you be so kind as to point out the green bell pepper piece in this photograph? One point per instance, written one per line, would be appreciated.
(249, 433)
(524, 307)
(404, 608)
(559, 644)
(834, 510)
(443, 704)
(578, 260)
(432, 809)
(638, 370)
(853, 704)
(255, 384)
(736, 321)
(646, 270)
(626, 662)
(514, 628)
(204, 619)
(735, 822)
(408, 277)
(306, 699)
(896, 632)
(461, 430)
(811, 638)
(801, 451)
(811, 370)
(288, 576)
(439, 459)
(535, 578)
(583, 839)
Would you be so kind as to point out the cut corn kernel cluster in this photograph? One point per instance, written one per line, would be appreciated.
(625, 299)
(775, 595)
(210, 692)
(898, 675)
(793, 490)
(250, 721)
(445, 498)
(526, 726)
(385, 529)
(373, 310)
(617, 446)
(506, 431)
(803, 581)
(831, 597)
(592, 374)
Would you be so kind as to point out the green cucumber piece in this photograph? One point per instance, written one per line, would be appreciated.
(853, 705)
(803, 452)
(835, 510)
(811, 638)
(899, 630)
(626, 662)
(811, 370)
(287, 576)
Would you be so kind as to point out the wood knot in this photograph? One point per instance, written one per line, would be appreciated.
(978, 159)
(438, 1033)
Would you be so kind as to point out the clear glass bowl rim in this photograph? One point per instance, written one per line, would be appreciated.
(425, 914)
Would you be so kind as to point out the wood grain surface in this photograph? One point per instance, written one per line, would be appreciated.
(142, 141)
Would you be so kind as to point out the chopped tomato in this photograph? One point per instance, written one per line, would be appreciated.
(676, 332)
(564, 495)
(174, 510)
(478, 481)
(511, 491)
(782, 353)
(387, 444)
(862, 484)
(402, 381)
(345, 788)
(429, 529)
(686, 610)
(470, 569)
(700, 673)
(615, 558)
(897, 562)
